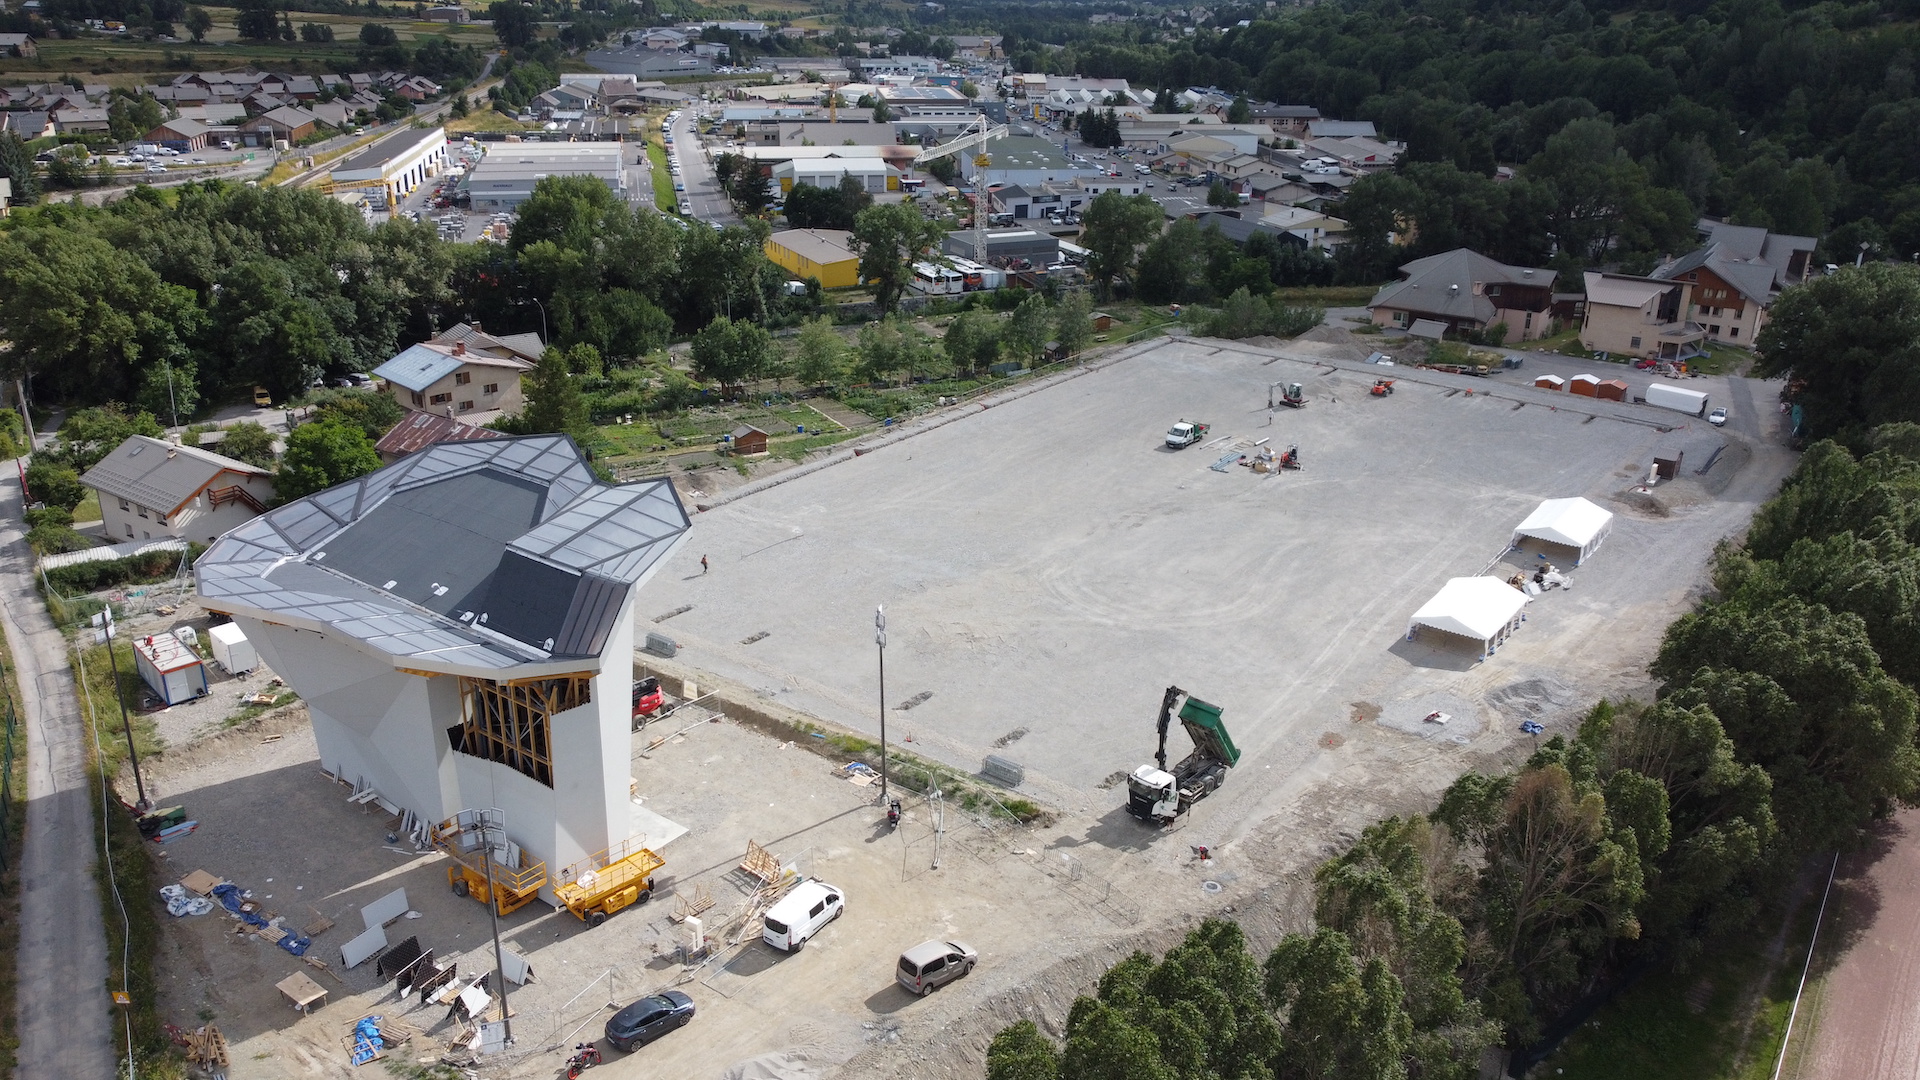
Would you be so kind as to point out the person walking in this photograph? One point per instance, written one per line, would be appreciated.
(703, 564)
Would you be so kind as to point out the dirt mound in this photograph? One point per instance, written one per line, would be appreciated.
(1335, 343)
(1642, 503)
(1532, 699)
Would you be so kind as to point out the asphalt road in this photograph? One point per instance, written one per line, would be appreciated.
(703, 192)
(62, 965)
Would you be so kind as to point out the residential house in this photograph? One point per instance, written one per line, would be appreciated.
(1468, 292)
(28, 125)
(977, 47)
(455, 381)
(1736, 276)
(287, 122)
(21, 46)
(6, 197)
(150, 488)
(74, 121)
(527, 347)
(1635, 316)
(1356, 153)
(419, 430)
(416, 88)
(1288, 120)
(1317, 230)
(334, 114)
(182, 134)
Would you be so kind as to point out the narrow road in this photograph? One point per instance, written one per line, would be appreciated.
(64, 1029)
(703, 192)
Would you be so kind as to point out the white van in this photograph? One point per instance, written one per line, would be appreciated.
(801, 913)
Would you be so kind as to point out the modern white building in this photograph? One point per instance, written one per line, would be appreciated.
(506, 177)
(461, 626)
(395, 166)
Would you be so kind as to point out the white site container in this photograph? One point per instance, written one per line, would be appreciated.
(231, 649)
(1673, 397)
(169, 668)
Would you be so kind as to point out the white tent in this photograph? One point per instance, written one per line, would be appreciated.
(1482, 609)
(1574, 523)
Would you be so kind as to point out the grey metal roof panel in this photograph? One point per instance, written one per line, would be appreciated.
(158, 474)
(417, 367)
(486, 555)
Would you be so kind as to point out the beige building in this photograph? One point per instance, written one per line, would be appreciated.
(1734, 278)
(1642, 317)
(462, 373)
(151, 489)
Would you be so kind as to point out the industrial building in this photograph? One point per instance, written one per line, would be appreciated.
(826, 254)
(1037, 248)
(874, 175)
(505, 178)
(394, 167)
(461, 627)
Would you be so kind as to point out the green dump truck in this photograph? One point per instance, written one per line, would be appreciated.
(1157, 795)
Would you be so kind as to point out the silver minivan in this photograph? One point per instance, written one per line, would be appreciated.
(933, 964)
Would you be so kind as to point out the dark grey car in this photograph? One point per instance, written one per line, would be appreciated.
(648, 1019)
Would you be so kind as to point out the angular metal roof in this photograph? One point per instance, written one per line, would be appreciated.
(160, 475)
(476, 556)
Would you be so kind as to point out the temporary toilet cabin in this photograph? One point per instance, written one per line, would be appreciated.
(231, 649)
(169, 668)
(1584, 385)
(1484, 610)
(1573, 523)
(1549, 382)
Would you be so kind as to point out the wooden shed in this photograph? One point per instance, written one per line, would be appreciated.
(1584, 385)
(1612, 390)
(748, 440)
(1549, 382)
(1101, 320)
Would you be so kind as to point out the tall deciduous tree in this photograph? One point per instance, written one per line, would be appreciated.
(820, 353)
(553, 399)
(730, 352)
(888, 240)
(1851, 343)
(1116, 226)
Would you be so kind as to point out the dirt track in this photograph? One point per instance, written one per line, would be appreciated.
(1862, 1007)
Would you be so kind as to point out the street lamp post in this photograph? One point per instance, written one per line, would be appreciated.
(543, 318)
(880, 639)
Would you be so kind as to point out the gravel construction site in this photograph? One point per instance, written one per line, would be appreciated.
(1048, 567)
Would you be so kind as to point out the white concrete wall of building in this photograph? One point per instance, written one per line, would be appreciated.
(372, 724)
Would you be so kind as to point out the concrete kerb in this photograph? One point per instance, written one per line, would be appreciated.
(887, 437)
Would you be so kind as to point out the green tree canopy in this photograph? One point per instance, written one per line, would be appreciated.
(1116, 226)
(1851, 343)
(554, 403)
(888, 239)
(249, 442)
(320, 455)
(731, 353)
(820, 353)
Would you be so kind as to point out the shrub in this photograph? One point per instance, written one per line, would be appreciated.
(55, 484)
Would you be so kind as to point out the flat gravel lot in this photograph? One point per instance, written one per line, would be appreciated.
(1048, 566)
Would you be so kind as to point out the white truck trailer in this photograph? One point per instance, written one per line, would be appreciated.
(1680, 399)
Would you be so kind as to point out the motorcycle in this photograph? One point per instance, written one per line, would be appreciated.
(893, 814)
(586, 1056)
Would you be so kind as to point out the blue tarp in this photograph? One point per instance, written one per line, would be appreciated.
(229, 896)
(366, 1040)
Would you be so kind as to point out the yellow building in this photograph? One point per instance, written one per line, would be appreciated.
(826, 254)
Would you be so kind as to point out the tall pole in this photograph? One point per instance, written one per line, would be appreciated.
(880, 639)
(493, 913)
(126, 723)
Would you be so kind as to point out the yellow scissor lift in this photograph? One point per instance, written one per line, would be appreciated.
(512, 887)
(596, 887)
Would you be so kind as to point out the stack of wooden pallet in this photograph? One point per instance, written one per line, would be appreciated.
(207, 1048)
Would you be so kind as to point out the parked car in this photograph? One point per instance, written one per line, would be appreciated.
(1717, 417)
(156, 168)
(933, 964)
(647, 1019)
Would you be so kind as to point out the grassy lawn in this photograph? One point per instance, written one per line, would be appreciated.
(1328, 295)
(1721, 1020)
(663, 194)
(1720, 360)
(483, 118)
(700, 428)
(89, 508)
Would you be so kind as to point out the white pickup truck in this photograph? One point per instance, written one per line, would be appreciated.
(1185, 434)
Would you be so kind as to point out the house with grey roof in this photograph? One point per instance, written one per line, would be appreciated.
(153, 489)
(1469, 292)
(454, 380)
(461, 627)
(1736, 275)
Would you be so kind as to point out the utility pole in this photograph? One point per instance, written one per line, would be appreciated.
(104, 620)
(493, 913)
(880, 639)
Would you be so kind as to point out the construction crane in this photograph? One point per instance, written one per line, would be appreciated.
(977, 138)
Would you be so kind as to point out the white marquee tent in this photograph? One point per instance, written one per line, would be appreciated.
(1482, 609)
(1574, 523)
